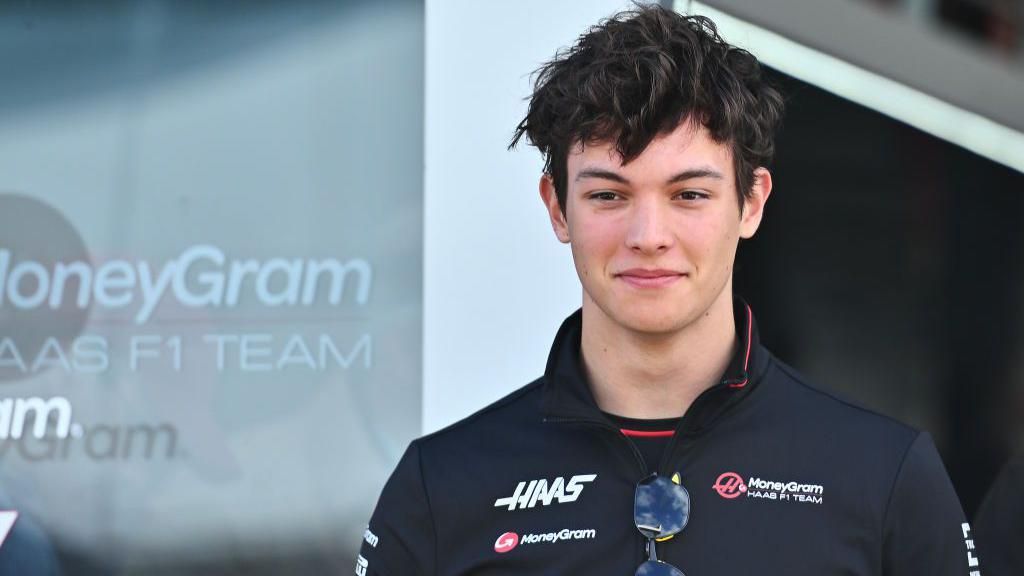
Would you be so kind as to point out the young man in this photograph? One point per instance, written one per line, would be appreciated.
(662, 437)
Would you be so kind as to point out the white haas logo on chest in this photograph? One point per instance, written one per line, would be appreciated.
(527, 494)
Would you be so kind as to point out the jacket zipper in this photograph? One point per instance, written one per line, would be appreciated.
(684, 428)
(636, 451)
(641, 551)
(669, 453)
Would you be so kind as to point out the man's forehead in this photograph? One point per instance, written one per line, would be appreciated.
(686, 147)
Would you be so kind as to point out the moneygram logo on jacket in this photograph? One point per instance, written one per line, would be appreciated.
(730, 485)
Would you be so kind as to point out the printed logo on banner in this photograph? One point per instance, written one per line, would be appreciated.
(36, 319)
(57, 301)
(47, 290)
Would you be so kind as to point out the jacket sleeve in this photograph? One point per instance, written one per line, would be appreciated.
(400, 539)
(1000, 522)
(925, 531)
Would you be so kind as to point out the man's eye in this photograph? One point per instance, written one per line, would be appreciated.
(604, 195)
(691, 195)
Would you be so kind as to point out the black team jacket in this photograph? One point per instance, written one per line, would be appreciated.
(783, 479)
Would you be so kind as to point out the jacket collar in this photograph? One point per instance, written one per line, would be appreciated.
(567, 393)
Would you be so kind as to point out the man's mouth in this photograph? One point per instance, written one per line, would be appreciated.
(649, 278)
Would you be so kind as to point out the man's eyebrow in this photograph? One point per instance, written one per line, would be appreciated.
(696, 173)
(690, 174)
(603, 174)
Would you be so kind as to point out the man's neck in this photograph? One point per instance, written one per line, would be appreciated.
(656, 376)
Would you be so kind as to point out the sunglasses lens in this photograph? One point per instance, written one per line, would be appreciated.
(656, 568)
(662, 508)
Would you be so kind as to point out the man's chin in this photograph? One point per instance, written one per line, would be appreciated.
(643, 316)
(653, 323)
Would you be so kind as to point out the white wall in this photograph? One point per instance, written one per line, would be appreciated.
(496, 281)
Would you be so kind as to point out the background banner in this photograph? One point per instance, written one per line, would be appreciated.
(210, 275)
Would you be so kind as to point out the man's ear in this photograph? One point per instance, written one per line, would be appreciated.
(550, 198)
(753, 207)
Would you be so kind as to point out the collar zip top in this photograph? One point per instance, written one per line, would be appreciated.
(567, 393)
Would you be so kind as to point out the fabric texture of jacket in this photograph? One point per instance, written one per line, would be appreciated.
(783, 478)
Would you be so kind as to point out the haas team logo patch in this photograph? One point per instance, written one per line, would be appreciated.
(730, 485)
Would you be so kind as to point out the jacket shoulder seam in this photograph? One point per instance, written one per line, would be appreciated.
(892, 492)
(796, 378)
(496, 405)
(426, 496)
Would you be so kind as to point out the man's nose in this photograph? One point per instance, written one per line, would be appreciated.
(649, 228)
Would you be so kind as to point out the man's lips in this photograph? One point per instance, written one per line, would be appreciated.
(649, 278)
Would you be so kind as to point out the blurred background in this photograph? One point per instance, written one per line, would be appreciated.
(249, 251)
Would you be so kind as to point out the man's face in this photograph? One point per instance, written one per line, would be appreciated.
(654, 240)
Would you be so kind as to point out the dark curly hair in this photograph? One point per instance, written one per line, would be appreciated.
(638, 75)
